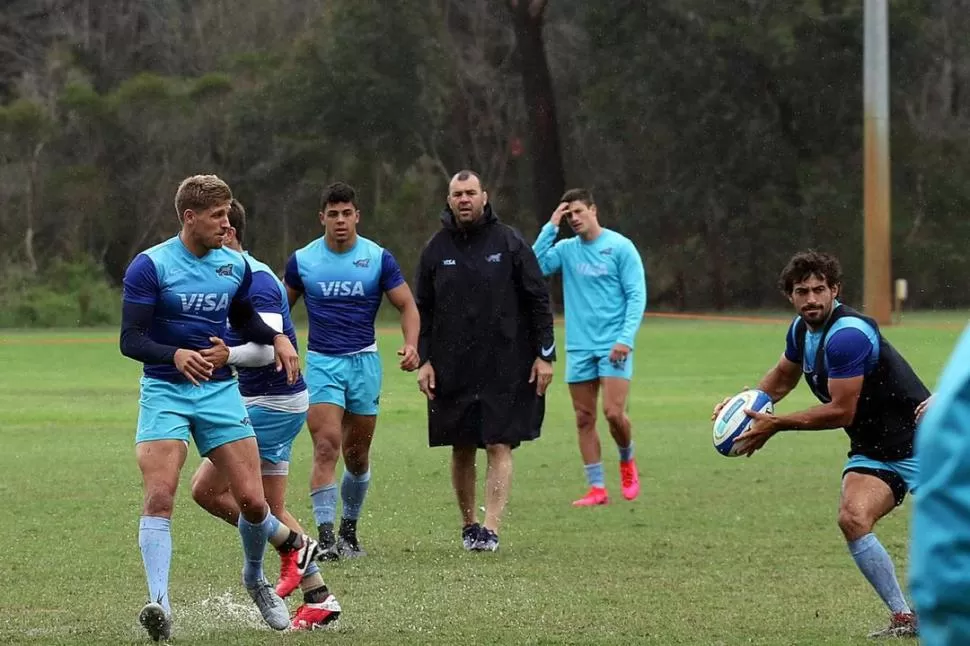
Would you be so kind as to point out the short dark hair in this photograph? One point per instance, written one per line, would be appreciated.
(805, 264)
(338, 193)
(465, 174)
(583, 195)
(237, 219)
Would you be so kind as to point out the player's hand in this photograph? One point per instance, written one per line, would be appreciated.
(218, 354)
(286, 358)
(541, 374)
(559, 213)
(193, 365)
(720, 406)
(921, 409)
(409, 357)
(758, 433)
(619, 353)
(426, 380)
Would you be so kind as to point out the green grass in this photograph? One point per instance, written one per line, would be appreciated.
(715, 551)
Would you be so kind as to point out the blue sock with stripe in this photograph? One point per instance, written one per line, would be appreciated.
(353, 490)
(254, 538)
(155, 541)
(324, 502)
(594, 475)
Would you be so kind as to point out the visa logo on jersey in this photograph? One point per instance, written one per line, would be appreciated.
(342, 288)
(200, 302)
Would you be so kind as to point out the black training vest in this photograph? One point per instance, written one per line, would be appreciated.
(885, 417)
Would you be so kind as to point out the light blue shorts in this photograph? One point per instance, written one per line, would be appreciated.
(351, 381)
(212, 413)
(907, 469)
(275, 432)
(586, 365)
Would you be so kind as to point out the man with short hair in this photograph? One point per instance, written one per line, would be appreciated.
(486, 349)
(343, 277)
(605, 294)
(866, 387)
(277, 410)
(177, 296)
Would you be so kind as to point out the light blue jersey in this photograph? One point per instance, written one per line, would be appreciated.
(191, 297)
(604, 287)
(343, 292)
(940, 533)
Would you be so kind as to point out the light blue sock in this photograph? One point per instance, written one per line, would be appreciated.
(626, 452)
(324, 502)
(594, 475)
(874, 561)
(155, 541)
(254, 537)
(353, 490)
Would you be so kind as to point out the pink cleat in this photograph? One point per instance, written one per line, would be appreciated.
(595, 496)
(629, 479)
(293, 565)
(311, 616)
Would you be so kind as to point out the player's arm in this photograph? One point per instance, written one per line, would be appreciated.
(545, 248)
(137, 313)
(255, 355)
(633, 281)
(293, 281)
(781, 379)
(252, 328)
(398, 292)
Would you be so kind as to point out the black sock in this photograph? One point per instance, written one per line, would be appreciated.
(326, 533)
(291, 543)
(316, 595)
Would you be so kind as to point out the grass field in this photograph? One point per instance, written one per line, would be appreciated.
(715, 551)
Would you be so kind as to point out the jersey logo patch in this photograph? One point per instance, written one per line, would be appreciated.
(495, 257)
(225, 270)
(449, 262)
(200, 302)
(592, 269)
(607, 252)
(342, 288)
(362, 262)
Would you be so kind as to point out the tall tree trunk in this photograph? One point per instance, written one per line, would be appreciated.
(31, 206)
(548, 175)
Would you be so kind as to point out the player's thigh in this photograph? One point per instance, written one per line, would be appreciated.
(207, 481)
(358, 433)
(325, 422)
(275, 433)
(365, 376)
(583, 395)
(616, 391)
(239, 463)
(581, 366)
(164, 411)
(866, 496)
(326, 379)
(220, 416)
(160, 463)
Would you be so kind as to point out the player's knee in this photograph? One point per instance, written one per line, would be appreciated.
(202, 492)
(615, 415)
(252, 506)
(159, 502)
(326, 449)
(356, 460)
(854, 523)
(585, 419)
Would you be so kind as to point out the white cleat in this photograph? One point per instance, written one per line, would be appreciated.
(156, 621)
(271, 606)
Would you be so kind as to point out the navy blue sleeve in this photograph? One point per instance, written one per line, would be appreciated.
(792, 352)
(291, 276)
(391, 276)
(846, 351)
(141, 281)
(136, 321)
(243, 317)
(265, 294)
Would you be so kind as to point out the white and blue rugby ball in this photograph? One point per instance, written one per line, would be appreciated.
(732, 421)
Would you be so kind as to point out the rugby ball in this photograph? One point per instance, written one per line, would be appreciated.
(732, 421)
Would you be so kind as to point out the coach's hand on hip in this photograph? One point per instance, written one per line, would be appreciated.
(286, 358)
(218, 354)
(426, 380)
(193, 365)
(541, 374)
